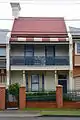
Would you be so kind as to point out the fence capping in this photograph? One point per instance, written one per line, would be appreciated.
(59, 86)
(22, 86)
(2, 86)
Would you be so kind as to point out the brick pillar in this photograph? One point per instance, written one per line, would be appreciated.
(22, 97)
(59, 96)
(2, 97)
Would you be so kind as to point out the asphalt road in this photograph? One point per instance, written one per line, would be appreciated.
(40, 118)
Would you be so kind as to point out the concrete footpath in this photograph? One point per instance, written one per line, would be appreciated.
(21, 114)
(15, 113)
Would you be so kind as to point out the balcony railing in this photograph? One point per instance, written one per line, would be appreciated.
(39, 60)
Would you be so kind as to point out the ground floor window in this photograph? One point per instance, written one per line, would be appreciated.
(35, 82)
(2, 79)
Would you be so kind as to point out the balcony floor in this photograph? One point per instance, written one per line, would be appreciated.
(31, 68)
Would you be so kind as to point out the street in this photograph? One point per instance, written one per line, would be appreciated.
(40, 118)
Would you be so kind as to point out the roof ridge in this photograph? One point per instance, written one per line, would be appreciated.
(41, 18)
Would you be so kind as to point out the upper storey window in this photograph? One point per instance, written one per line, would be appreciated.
(78, 48)
(2, 51)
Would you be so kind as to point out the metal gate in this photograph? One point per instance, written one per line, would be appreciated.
(12, 102)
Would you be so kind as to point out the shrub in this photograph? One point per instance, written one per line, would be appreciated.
(14, 89)
(40, 93)
(67, 97)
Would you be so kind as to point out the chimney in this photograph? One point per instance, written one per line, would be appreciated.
(15, 9)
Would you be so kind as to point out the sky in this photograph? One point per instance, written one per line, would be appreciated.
(69, 9)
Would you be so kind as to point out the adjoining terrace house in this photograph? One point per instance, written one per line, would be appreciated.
(75, 32)
(4, 53)
(40, 52)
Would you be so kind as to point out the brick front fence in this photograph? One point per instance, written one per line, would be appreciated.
(41, 104)
(23, 103)
(2, 97)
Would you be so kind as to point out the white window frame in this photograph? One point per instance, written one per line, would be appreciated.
(76, 53)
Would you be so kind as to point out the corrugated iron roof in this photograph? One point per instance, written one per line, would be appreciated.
(74, 31)
(39, 26)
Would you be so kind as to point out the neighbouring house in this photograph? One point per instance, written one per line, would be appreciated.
(4, 41)
(40, 52)
(75, 32)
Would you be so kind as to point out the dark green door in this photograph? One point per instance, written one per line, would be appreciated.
(64, 84)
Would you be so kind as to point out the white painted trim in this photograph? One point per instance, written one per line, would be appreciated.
(70, 47)
(37, 39)
(71, 82)
(54, 39)
(40, 67)
(67, 39)
(7, 64)
(56, 78)
(66, 42)
(75, 48)
(24, 78)
(21, 39)
(8, 60)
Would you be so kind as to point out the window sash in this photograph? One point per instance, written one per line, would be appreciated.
(29, 50)
(2, 51)
(78, 47)
(35, 82)
(49, 51)
(35, 87)
(35, 79)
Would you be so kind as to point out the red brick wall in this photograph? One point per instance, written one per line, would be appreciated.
(46, 104)
(2, 97)
(71, 104)
(59, 96)
(22, 98)
(40, 104)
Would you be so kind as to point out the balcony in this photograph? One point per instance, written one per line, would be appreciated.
(39, 60)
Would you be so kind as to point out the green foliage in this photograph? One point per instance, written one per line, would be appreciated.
(67, 97)
(14, 89)
(41, 93)
(41, 96)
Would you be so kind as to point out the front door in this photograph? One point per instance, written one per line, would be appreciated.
(64, 84)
